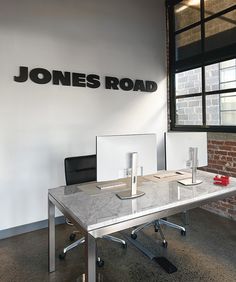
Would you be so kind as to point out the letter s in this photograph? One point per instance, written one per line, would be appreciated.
(93, 81)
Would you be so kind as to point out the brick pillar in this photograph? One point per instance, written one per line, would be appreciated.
(222, 160)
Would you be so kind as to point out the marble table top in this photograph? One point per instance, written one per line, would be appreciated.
(95, 208)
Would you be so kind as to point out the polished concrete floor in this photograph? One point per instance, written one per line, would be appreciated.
(207, 253)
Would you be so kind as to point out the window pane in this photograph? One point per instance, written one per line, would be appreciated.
(212, 77)
(186, 13)
(227, 64)
(188, 82)
(228, 118)
(221, 75)
(227, 75)
(215, 6)
(228, 85)
(213, 109)
(189, 111)
(188, 43)
(220, 31)
(228, 102)
(221, 109)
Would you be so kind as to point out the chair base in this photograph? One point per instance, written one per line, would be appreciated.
(100, 262)
(157, 225)
(115, 239)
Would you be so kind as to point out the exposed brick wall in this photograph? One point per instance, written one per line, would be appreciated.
(222, 157)
(226, 207)
(222, 160)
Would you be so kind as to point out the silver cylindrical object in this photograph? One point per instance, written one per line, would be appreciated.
(134, 169)
(194, 159)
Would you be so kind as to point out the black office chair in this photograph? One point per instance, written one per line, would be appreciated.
(80, 170)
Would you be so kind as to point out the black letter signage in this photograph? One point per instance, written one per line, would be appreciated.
(40, 76)
(23, 75)
(65, 78)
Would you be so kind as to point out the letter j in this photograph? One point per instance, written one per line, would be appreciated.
(23, 76)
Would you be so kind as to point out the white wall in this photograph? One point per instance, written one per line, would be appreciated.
(42, 124)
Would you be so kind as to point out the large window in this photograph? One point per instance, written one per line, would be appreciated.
(202, 64)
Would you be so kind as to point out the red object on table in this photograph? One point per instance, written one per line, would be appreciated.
(221, 180)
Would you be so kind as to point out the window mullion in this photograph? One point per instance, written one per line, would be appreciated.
(172, 60)
(202, 14)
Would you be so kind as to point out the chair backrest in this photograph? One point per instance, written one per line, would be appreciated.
(80, 169)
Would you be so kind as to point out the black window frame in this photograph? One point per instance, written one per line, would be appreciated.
(202, 60)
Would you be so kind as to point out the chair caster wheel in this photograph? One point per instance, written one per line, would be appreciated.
(124, 246)
(164, 244)
(133, 236)
(72, 237)
(62, 256)
(100, 263)
(183, 232)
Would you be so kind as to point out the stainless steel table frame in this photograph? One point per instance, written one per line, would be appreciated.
(92, 234)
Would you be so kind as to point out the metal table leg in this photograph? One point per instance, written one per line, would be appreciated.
(51, 236)
(90, 250)
(185, 217)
